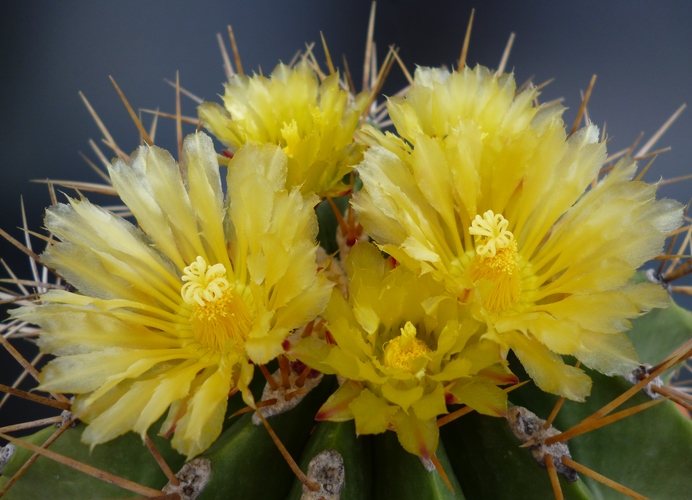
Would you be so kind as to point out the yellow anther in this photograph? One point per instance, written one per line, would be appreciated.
(496, 261)
(203, 283)
(491, 233)
(401, 351)
(220, 313)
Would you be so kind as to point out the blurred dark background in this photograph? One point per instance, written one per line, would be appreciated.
(51, 50)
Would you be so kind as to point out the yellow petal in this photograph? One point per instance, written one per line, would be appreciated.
(152, 188)
(336, 408)
(203, 420)
(372, 414)
(206, 195)
(79, 330)
(548, 370)
(400, 396)
(417, 436)
(97, 243)
(481, 395)
(432, 404)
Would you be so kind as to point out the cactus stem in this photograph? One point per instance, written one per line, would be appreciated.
(327, 470)
(287, 456)
(666, 362)
(655, 154)
(6, 453)
(178, 120)
(505, 54)
(170, 496)
(675, 255)
(261, 404)
(643, 171)
(296, 393)
(454, 415)
(687, 290)
(558, 405)
(369, 52)
(20, 472)
(673, 240)
(308, 329)
(682, 270)
(285, 369)
(640, 373)
(339, 218)
(17, 298)
(32, 424)
(654, 138)
(678, 397)
(465, 46)
(138, 123)
(589, 425)
(25, 364)
(236, 54)
(35, 397)
(582, 109)
(515, 386)
(270, 380)
(554, 412)
(160, 460)
(189, 482)
(526, 426)
(601, 478)
(300, 381)
(330, 64)
(379, 80)
(157, 114)
(683, 352)
(109, 140)
(441, 471)
(552, 474)
(82, 467)
(227, 66)
(284, 398)
(467, 409)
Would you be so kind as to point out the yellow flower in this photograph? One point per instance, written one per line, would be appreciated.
(484, 192)
(313, 122)
(170, 315)
(406, 349)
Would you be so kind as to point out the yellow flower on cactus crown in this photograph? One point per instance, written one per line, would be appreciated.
(169, 316)
(406, 348)
(313, 122)
(486, 193)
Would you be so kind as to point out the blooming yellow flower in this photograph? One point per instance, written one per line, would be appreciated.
(313, 122)
(484, 192)
(406, 348)
(170, 315)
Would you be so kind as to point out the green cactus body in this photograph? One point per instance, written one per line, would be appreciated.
(126, 457)
(355, 452)
(245, 452)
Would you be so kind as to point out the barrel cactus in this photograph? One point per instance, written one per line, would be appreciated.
(443, 301)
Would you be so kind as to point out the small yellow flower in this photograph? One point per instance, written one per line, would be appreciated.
(486, 193)
(406, 348)
(169, 316)
(313, 122)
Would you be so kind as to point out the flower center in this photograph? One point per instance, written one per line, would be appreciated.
(290, 133)
(402, 351)
(220, 313)
(496, 262)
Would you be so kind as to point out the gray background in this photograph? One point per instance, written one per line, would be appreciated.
(51, 50)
